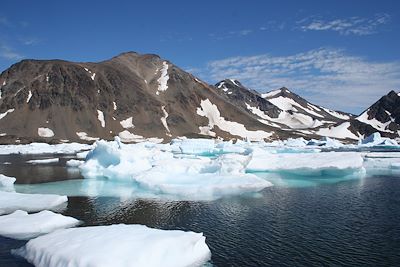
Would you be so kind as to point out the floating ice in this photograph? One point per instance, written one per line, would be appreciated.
(23, 226)
(10, 202)
(117, 245)
(107, 159)
(7, 183)
(375, 139)
(325, 141)
(323, 163)
(74, 163)
(43, 161)
(202, 178)
(196, 146)
(185, 176)
(43, 148)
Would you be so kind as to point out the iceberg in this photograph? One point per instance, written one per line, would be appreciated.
(183, 176)
(111, 160)
(7, 183)
(74, 163)
(23, 226)
(10, 202)
(322, 163)
(376, 139)
(118, 246)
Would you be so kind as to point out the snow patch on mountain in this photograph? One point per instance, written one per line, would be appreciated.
(163, 80)
(127, 123)
(210, 111)
(45, 132)
(374, 122)
(340, 131)
(100, 117)
(2, 115)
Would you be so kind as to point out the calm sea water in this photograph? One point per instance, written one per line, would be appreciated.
(351, 222)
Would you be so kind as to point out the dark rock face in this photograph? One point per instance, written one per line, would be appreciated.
(240, 95)
(383, 116)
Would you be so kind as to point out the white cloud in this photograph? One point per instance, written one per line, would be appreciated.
(8, 53)
(346, 26)
(325, 76)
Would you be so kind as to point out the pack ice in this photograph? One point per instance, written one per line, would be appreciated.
(10, 202)
(116, 245)
(23, 226)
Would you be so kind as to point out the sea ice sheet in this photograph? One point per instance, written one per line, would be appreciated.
(23, 226)
(117, 245)
(10, 202)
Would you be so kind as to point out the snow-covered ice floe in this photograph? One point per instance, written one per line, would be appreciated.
(10, 202)
(116, 245)
(382, 163)
(23, 226)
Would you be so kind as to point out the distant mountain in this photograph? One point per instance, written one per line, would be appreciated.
(137, 96)
(130, 95)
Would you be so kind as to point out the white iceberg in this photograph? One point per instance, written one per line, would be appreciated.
(7, 183)
(118, 246)
(185, 176)
(10, 202)
(74, 163)
(322, 163)
(111, 160)
(376, 139)
(23, 226)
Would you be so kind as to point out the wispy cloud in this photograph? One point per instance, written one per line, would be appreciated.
(345, 26)
(9, 53)
(326, 76)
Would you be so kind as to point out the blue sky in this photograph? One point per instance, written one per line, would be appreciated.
(341, 54)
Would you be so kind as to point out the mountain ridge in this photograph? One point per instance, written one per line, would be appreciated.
(137, 96)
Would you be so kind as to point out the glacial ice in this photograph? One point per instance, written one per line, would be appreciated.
(7, 183)
(116, 245)
(181, 176)
(10, 202)
(23, 226)
(376, 139)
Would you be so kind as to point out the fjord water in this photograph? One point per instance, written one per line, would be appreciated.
(301, 221)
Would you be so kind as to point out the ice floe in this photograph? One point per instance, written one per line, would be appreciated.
(163, 172)
(321, 163)
(43, 148)
(43, 161)
(117, 245)
(7, 183)
(23, 226)
(10, 202)
(376, 139)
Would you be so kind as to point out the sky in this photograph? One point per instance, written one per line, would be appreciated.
(340, 54)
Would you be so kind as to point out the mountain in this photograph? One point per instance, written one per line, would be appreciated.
(136, 96)
(288, 111)
(130, 95)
